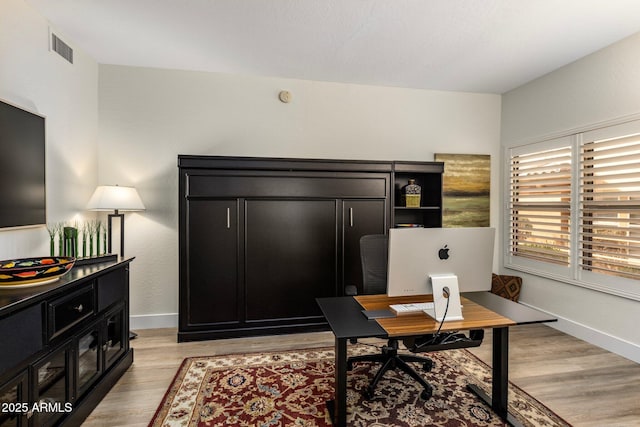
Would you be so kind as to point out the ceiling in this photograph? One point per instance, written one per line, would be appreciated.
(489, 46)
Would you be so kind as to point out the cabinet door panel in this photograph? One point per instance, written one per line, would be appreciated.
(53, 377)
(15, 402)
(289, 185)
(291, 257)
(113, 287)
(212, 254)
(88, 358)
(360, 217)
(115, 336)
(25, 329)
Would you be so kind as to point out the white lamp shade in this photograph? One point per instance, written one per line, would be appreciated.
(114, 197)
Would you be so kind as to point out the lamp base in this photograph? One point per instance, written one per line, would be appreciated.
(110, 217)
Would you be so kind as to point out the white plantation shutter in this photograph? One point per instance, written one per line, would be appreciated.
(573, 209)
(540, 203)
(609, 194)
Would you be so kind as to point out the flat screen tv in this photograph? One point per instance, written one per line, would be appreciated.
(22, 167)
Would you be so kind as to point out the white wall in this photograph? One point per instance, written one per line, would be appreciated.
(41, 81)
(598, 88)
(146, 117)
(149, 116)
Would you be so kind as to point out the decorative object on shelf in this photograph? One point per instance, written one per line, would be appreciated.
(60, 231)
(466, 189)
(411, 194)
(33, 271)
(115, 198)
(58, 238)
(52, 229)
(70, 246)
(98, 235)
(85, 235)
(91, 233)
(91, 227)
(104, 241)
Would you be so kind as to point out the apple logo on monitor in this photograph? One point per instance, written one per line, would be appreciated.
(444, 253)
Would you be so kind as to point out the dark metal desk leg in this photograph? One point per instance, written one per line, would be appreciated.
(339, 406)
(500, 380)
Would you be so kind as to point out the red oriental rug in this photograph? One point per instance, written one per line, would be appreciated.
(291, 388)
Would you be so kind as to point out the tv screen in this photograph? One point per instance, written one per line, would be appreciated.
(22, 167)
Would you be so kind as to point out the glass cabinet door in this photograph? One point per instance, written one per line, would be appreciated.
(89, 363)
(14, 402)
(116, 336)
(52, 385)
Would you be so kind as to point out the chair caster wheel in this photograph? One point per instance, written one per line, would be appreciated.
(368, 393)
(427, 366)
(426, 393)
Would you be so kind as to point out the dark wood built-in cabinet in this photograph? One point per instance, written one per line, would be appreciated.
(261, 238)
(64, 345)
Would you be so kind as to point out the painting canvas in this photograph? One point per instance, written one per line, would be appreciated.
(466, 189)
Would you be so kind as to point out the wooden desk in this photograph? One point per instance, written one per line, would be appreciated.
(480, 310)
(475, 317)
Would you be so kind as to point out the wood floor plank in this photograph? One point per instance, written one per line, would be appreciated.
(584, 384)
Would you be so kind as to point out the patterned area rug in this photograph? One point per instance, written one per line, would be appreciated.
(291, 388)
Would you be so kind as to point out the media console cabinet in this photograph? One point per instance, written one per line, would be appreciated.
(262, 238)
(64, 345)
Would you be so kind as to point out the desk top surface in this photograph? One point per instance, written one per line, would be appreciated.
(475, 316)
(479, 309)
(346, 320)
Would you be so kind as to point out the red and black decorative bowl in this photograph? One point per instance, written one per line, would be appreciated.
(33, 271)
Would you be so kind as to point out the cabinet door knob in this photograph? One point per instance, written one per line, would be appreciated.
(78, 308)
(228, 218)
(350, 217)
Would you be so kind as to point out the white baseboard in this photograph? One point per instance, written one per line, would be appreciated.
(601, 339)
(153, 321)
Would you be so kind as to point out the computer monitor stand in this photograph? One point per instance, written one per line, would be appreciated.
(445, 289)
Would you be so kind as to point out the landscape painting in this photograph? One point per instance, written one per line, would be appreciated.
(466, 189)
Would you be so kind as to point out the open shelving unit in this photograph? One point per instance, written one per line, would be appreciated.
(428, 175)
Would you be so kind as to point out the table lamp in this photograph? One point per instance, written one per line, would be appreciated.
(117, 199)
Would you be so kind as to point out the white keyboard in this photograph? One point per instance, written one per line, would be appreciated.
(411, 308)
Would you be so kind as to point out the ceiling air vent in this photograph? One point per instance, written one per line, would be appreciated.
(63, 49)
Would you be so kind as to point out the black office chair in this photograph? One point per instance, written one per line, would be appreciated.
(373, 254)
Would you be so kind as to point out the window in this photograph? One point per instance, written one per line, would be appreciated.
(540, 205)
(573, 210)
(609, 235)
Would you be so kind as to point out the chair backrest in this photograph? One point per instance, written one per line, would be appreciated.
(374, 250)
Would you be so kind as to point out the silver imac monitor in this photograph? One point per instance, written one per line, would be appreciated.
(417, 253)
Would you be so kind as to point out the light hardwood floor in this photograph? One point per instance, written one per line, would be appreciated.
(582, 383)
